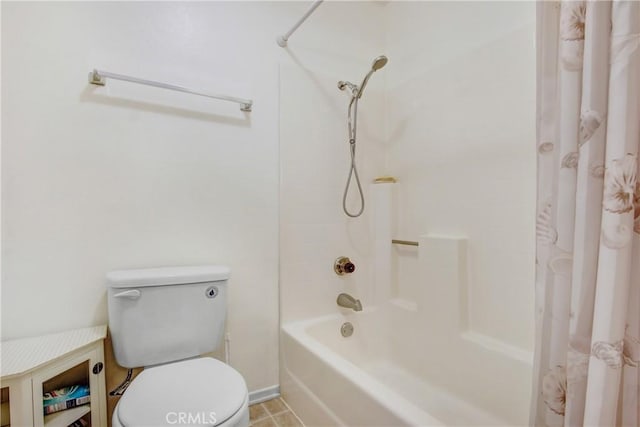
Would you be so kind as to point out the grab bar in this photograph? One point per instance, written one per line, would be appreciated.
(405, 242)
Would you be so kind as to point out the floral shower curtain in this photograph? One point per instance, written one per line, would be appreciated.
(588, 224)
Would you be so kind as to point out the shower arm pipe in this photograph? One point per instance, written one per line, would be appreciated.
(98, 77)
(282, 40)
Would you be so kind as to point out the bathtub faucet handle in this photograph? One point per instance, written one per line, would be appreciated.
(343, 265)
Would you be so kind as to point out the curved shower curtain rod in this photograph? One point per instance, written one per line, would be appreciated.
(282, 40)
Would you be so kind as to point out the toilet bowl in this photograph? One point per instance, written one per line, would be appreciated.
(195, 392)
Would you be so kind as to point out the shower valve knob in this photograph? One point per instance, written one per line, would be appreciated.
(343, 265)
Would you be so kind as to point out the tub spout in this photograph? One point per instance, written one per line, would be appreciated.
(347, 301)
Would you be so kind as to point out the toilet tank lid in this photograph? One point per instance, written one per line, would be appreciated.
(167, 276)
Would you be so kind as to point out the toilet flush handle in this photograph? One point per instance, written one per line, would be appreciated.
(131, 294)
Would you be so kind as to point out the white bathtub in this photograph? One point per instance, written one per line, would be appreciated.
(330, 380)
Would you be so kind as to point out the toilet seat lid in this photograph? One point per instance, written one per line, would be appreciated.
(205, 390)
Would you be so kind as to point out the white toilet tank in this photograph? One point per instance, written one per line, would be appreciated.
(160, 315)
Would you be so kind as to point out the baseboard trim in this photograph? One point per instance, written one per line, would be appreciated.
(264, 394)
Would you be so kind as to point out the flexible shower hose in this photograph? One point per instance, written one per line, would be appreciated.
(353, 170)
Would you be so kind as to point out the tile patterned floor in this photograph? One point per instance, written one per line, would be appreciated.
(273, 413)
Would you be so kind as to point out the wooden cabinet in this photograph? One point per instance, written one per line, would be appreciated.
(34, 366)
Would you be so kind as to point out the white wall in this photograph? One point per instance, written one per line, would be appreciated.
(96, 179)
(461, 124)
(461, 129)
(315, 160)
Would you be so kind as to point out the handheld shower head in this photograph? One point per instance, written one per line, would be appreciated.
(378, 63)
(352, 119)
(356, 91)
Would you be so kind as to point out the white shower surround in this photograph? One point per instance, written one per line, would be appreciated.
(459, 143)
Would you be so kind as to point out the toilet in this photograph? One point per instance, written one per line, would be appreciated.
(165, 319)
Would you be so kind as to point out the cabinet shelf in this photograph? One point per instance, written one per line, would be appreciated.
(66, 417)
(40, 365)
